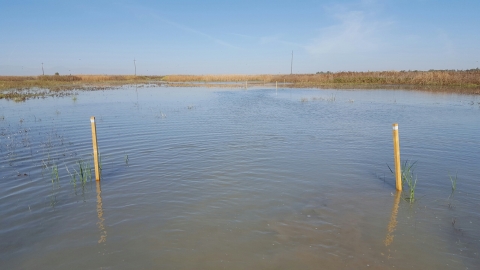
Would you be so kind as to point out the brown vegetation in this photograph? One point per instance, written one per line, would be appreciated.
(57, 82)
(20, 88)
(470, 78)
(458, 81)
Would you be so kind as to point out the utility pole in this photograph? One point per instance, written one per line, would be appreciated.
(43, 73)
(135, 64)
(291, 65)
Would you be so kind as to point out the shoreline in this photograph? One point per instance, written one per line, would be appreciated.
(21, 88)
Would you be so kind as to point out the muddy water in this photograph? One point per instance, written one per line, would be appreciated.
(196, 178)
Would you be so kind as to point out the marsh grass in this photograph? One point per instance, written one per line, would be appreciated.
(453, 180)
(409, 178)
(467, 81)
(21, 88)
(17, 88)
(82, 174)
(55, 180)
(55, 177)
(73, 177)
(60, 82)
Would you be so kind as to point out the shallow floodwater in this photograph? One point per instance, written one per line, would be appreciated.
(205, 178)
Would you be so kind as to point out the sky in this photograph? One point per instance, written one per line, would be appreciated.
(236, 37)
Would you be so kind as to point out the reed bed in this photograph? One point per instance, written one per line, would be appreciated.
(469, 78)
(454, 81)
(220, 78)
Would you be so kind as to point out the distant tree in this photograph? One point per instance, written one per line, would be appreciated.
(56, 74)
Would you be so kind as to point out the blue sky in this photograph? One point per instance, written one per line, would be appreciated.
(236, 37)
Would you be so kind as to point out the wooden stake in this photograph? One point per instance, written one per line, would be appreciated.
(95, 148)
(396, 155)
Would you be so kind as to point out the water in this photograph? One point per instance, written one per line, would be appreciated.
(204, 178)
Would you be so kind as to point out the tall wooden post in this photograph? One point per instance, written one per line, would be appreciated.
(396, 155)
(95, 148)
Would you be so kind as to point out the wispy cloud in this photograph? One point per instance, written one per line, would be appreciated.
(142, 11)
(269, 39)
(278, 39)
(197, 32)
(356, 31)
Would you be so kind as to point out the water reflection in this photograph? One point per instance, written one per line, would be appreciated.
(101, 226)
(392, 225)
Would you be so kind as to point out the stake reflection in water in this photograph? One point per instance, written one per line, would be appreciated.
(101, 226)
(393, 220)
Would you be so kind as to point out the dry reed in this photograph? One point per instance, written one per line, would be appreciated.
(470, 78)
(454, 81)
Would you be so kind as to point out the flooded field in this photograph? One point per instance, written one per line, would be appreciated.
(205, 178)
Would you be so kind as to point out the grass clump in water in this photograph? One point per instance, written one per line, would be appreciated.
(453, 180)
(73, 177)
(55, 177)
(83, 174)
(409, 178)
